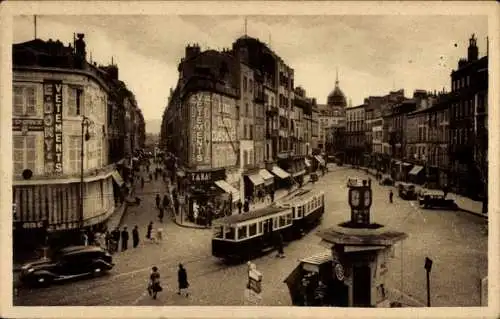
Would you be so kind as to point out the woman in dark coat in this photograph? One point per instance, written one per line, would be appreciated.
(135, 236)
(182, 280)
(154, 283)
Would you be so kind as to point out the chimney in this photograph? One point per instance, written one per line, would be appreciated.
(472, 51)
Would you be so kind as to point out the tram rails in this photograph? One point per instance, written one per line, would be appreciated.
(245, 236)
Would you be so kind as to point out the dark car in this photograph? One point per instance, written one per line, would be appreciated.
(67, 263)
(436, 200)
(407, 191)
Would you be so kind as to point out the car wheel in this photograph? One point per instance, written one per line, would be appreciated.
(42, 280)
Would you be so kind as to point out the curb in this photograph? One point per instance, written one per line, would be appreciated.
(473, 213)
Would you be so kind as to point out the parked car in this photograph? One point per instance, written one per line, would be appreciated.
(436, 200)
(386, 180)
(407, 191)
(67, 263)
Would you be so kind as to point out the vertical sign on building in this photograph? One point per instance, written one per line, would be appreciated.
(199, 104)
(52, 122)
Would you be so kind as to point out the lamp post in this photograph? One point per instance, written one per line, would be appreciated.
(86, 122)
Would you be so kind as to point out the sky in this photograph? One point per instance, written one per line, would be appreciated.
(373, 54)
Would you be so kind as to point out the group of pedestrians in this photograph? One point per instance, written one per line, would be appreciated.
(154, 284)
(113, 239)
(162, 206)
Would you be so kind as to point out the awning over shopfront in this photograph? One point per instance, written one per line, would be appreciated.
(279, 172)
(117, 178)
(225, 186)
(397, 162)
(301, 172)
(256, 179)
(181, 173)
(415, 170)
(406, 164)
(320, 159)
(268, 177)
(308, 163)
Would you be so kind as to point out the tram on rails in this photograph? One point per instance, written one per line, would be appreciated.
(307, 207)
(245, 236)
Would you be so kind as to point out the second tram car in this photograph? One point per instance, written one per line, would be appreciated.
(308, 208)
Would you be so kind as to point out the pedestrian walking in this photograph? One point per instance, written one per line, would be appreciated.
(107, 239)
(182, 280)
(239, 205)
(160, 215)
(85, 238)
(149, 230)
(246, 205)
(158, 201)
(279, 243)
(154, 285)
(115, 234)
(166, 201)
(391, 194)
(124, 238)
(135, 236)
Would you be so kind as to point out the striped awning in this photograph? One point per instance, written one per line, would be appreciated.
(320, 159)
(268, 177)
(226, 187)
(279, 172)
(256, 179)
(318, 259)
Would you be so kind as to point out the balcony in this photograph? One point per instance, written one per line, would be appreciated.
(272, 134)
(272, 110)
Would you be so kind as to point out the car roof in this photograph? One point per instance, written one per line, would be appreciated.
(79, 249)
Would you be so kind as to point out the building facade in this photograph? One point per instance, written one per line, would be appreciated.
(60, 104)
(355, 134)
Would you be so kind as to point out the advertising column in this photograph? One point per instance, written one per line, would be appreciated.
(52, 121)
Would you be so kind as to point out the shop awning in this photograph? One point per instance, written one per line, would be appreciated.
(320, 159)
(181, 173)
(308, 163)
(117, 178)
(268, 177)
(256, 179)
(279, 172)
(301, 172)
(415, 170)
(397, 162)
(406, 164)
(226, 187)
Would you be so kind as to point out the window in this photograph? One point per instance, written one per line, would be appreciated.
(74, 153)
(247, 111)
(229, 233)
(252, 230)
(242, 232)
(24, 100)
(74, 101)
(244, 83)
(468, 80)
(250, 86)
(24, 153)
(282, 221)
(245, 158)
(289, 219)
(251, 132)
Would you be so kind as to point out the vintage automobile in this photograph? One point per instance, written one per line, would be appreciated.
(429, 199)
(407, 191)
(386, 180)
(67, 263)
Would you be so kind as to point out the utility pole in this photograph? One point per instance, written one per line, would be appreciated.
(428, 267)
(34, 20)
(245, 27)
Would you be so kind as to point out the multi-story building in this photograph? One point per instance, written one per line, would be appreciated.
(468, 124)
(60, 104)
(355, 134)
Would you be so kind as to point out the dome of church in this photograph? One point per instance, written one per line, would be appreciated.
(337, 97)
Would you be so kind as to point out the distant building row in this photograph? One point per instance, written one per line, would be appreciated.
(54, 89)
(438, 139)
(235, 116)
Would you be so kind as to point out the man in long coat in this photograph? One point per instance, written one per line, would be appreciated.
(124, 239)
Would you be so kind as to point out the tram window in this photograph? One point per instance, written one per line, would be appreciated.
(289, 218)
(229, 233)
(252, 229)
(260, 227)
(275, 222)
(242, 232)
(299, 214)
(218, 232)
(282, 221)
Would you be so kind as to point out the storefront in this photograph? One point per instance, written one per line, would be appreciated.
(268, 179)
(206, 194)
(283, 179)
(417, 175)
(253, 183)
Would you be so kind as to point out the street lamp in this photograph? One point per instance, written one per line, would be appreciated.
(86, 123)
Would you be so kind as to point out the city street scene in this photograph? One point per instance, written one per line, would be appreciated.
(305, 161)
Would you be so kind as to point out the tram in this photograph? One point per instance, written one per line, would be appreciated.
(246, 235)
(307, 207)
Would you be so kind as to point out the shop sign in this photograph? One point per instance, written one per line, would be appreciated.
(32, 225)
(206, 176)
(27, 125)
(199, 105)
(53, 126)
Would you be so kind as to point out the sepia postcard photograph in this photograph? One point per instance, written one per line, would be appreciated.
(249, 159)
